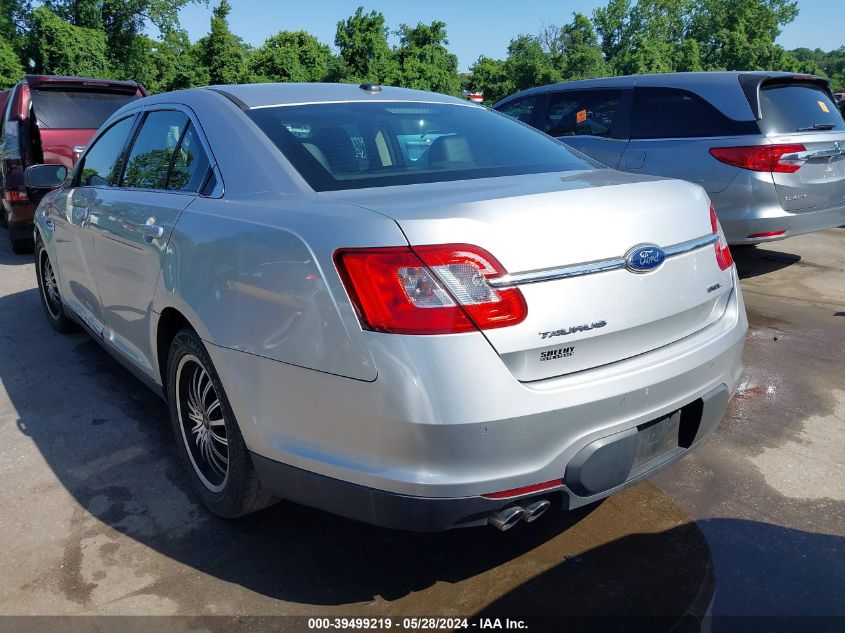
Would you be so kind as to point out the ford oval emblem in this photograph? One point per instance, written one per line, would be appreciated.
(645, 258)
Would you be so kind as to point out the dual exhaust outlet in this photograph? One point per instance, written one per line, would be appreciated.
(507, 518)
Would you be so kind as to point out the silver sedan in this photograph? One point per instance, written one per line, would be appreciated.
(394, 305)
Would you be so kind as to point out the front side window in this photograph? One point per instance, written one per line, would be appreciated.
(674, 113)
(520, 109)
(100, 167)
(583, 112)
(356, 145)
(152, 152)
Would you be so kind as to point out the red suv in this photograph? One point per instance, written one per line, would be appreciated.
(49, 120)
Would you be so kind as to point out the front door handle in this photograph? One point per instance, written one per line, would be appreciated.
(152, 231)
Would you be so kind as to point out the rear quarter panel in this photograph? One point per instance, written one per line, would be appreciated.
(258, 276)
(686, 159)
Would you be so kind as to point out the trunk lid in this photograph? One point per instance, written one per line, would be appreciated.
(797, 111)
(546, 221)
(820, 180)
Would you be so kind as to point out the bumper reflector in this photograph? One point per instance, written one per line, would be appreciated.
(769, 234)
(524, 490)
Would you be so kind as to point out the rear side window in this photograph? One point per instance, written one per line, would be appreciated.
(75, 109)
(153, 151)
(674, 113)
(520, 109)
(190, 164)
(798, 107)
(101, 164)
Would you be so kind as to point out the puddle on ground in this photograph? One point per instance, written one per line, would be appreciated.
(811, 465)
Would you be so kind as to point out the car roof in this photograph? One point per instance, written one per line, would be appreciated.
(723, 89)
(673, 80)
(249, 96)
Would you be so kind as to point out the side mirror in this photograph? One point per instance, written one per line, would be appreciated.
(44, 176)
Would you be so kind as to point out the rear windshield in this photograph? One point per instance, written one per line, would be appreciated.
(355, 145)
(793, 107)
(75, 109)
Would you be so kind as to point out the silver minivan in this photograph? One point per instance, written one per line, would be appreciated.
(769, 148)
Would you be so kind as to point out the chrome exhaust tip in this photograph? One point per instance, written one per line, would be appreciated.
(536, 510)
(505, 519)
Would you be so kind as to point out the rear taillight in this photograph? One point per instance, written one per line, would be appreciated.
(723, 253)
(23, 102)
(761, 157)
(428, 289)
(14, 195)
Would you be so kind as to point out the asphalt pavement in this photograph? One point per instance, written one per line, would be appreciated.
(98, 517)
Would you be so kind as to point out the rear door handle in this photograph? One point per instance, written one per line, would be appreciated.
(152, 231)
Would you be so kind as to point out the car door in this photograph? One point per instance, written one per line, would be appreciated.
(95, 176)
(593, 121)
(166, 167)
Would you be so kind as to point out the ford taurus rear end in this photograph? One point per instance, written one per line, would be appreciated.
(543, 332)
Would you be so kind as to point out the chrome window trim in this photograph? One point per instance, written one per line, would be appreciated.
(591, 268)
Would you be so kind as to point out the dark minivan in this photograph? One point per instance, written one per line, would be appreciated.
(48, 119)
(768, 147)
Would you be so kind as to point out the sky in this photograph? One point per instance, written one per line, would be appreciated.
(475, 27)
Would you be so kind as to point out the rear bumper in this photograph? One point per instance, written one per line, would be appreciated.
(750, 206)
(20, 217)
(594, 472)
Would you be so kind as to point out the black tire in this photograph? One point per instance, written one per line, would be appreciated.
(3, 222)
(199, 422)
(51, 300)
(22, 247)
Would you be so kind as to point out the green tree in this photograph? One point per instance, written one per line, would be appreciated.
(579, 55)
(222, 52)
(123, 22)
(60, 48)
(11, 70)
(365, 54)
(830, 64)
(13, 22)
(528, 64)
(489, 76)
(290, 56)
(612, 26)
(740, 34)
(424, 61)
(169, 63)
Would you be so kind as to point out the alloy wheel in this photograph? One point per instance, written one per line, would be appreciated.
(202, 422)
(49, 286)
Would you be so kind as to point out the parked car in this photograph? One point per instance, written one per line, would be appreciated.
(840, 101)
(769, 148)
(49, 119)
(420, 340)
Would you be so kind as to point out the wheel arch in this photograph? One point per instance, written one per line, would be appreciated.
(170, 322)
